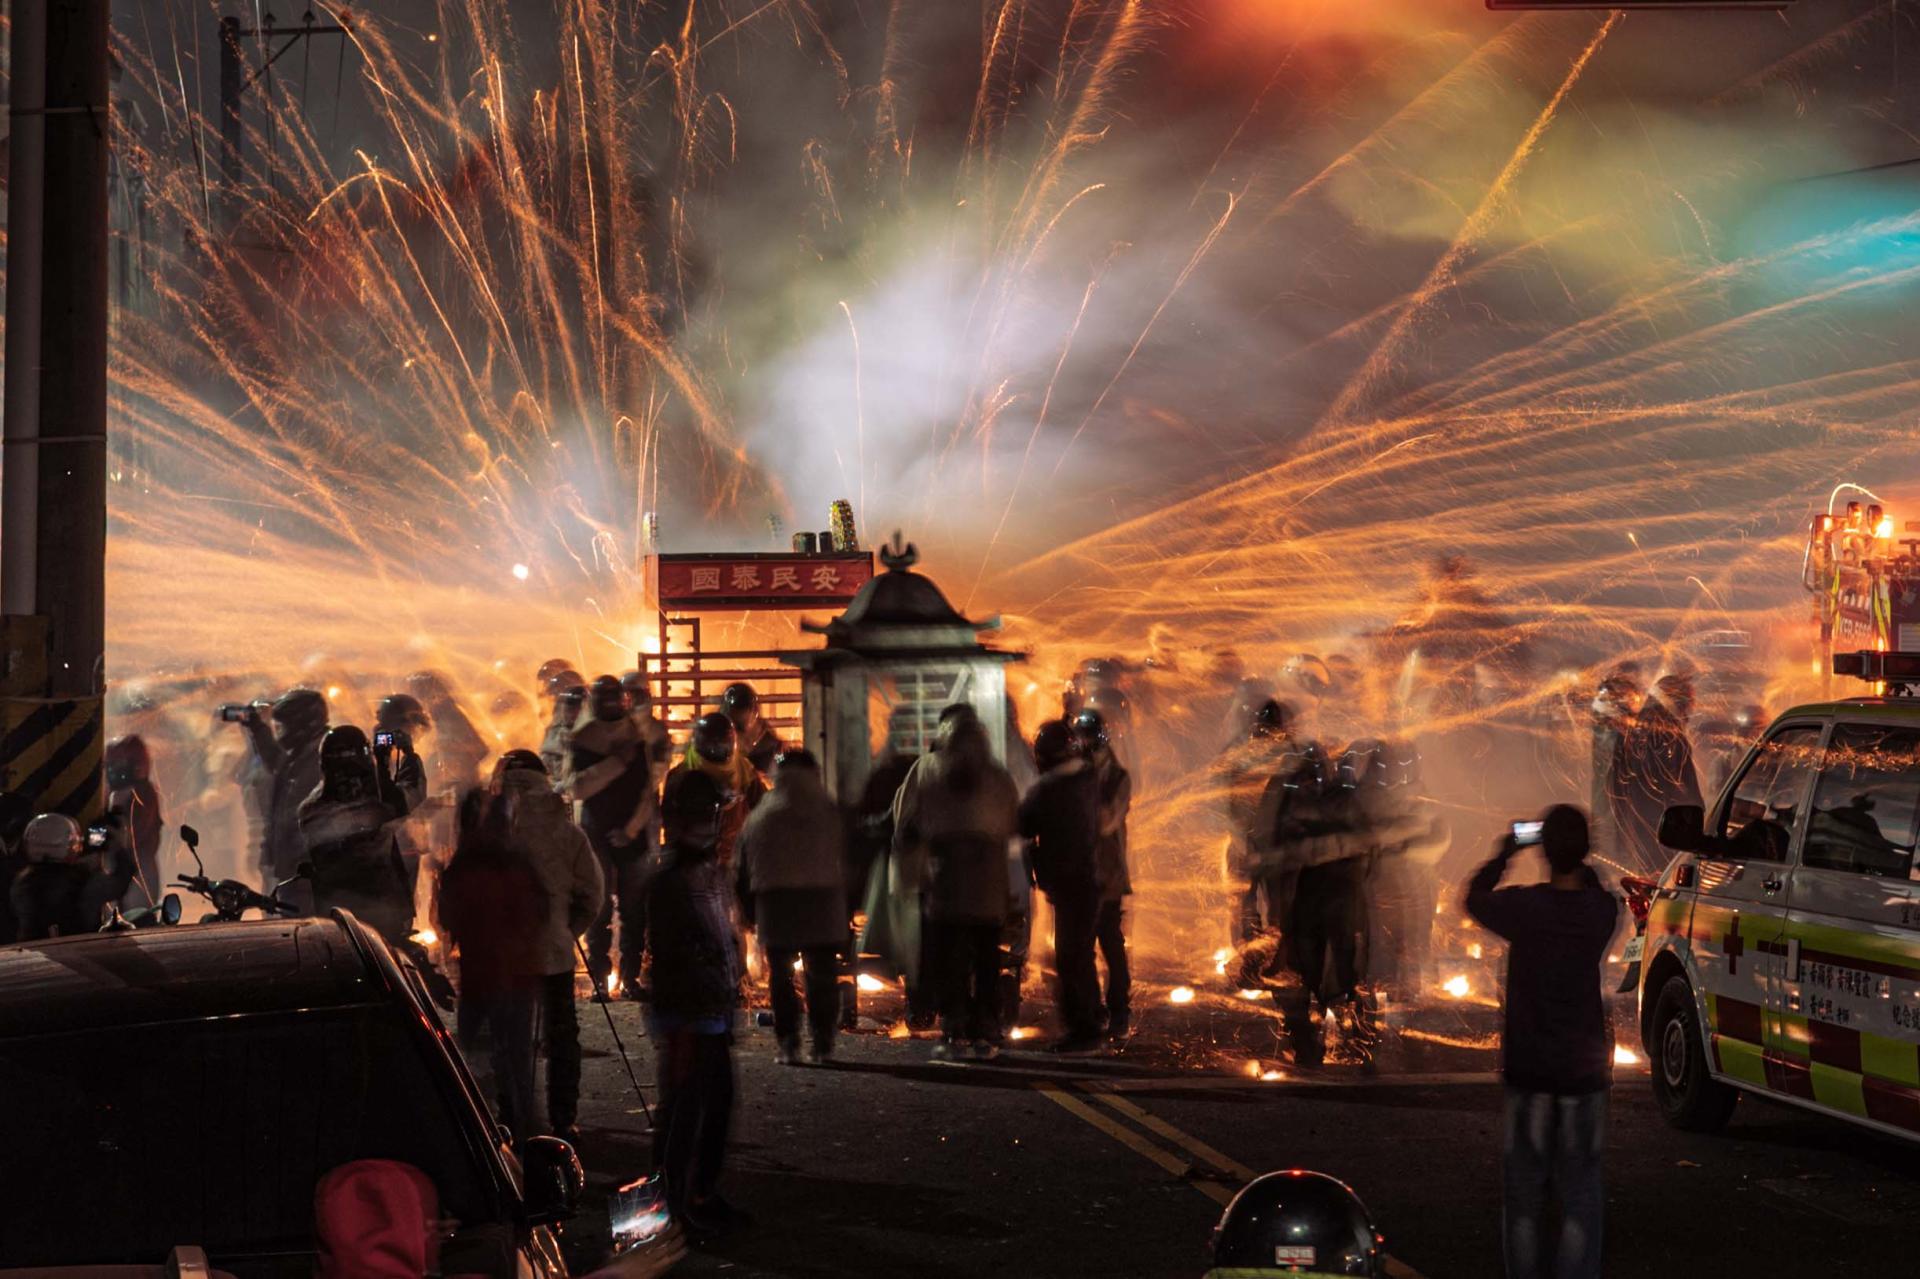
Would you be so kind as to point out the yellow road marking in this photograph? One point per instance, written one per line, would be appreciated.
(1193, 1145)
(1134, 1141)
(1164, 1159)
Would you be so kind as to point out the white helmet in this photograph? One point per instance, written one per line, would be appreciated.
(51, 837)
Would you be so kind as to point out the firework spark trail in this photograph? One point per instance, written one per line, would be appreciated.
(1471, 232)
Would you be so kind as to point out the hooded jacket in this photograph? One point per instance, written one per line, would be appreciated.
(742, 781)
(792, 856)
(562, 858)
(370, 1220)
(355, 851)
(950, 840)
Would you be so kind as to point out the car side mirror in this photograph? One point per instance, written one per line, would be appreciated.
(1683, 828)
(553, 1181)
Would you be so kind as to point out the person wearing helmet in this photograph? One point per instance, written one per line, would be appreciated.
(1296, 1223)
(1651, 771)
(402, 715)
(1406, 838)
(545, 685)
(1241, 779)
(1110, 866)
(50, 896)
(713, 749)
(1060, 820)
(792, 854)
(135, 800)
(349, 828)
(953, 819)
(696, 995)
(616, 769)
(286, 749)
(569, 693)
(758, 742)
(456, 746)
(541, 824)
(1315, 870)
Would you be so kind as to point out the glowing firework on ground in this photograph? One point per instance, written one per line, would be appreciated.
(1625, 1056)
(1457, 987)
(869, 984)
(1180, 995)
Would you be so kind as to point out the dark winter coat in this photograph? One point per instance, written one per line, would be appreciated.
(292, 770)
(618, 766)
(51, 898)
(493, 906)
(1060, 818)
(696, 962)
(1110, 855)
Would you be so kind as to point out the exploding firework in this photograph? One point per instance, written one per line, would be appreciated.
(1206, 335)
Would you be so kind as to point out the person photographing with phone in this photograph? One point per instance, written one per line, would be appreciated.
(1556, 1043)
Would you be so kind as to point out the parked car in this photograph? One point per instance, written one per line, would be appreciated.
(188, 1087)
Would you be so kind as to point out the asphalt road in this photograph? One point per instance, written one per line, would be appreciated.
(888, 1163)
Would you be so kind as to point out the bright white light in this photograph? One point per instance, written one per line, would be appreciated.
(425, 937)
(1457, 987)
(521, 571)
(1625, 1056)
(1180, 995)
(1252, 994)
(869, 984)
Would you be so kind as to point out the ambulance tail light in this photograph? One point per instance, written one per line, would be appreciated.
(1639, 895)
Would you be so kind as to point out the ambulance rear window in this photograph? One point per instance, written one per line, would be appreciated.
(1866, 807)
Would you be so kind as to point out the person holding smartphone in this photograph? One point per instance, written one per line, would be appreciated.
(1556, 1045)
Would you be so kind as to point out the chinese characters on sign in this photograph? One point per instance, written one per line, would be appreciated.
(725, 582)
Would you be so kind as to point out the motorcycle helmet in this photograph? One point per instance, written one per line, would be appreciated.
(128, 761)
(609, 698)
(1090, 730)
(402, 713)
(300, 712)
(1272, 718)
(523, 760)
(1297, 1223)
(346, 764)
(714, 737)
(550, 668)
(639, 690)
(1053, 745)
(1309, 674)
(739, 703)
(563, 681)
(1400, 764)
(51, 837)
(1307, 771)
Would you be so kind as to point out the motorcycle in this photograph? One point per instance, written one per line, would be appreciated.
(232, 899)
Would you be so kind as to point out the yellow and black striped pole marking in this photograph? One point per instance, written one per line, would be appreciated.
(51, 751)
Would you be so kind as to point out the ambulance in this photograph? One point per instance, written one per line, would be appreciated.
(1781, 952)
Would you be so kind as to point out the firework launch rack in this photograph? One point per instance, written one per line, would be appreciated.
(687, 679)
(1866, 589)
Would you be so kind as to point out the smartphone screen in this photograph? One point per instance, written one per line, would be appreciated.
(96, 837)
(1527, 832)
(383, 739)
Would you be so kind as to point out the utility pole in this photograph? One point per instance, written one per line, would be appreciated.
(53, 540)
(236, 78)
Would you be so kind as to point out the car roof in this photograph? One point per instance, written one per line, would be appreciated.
(187, 972)
(1881, 709)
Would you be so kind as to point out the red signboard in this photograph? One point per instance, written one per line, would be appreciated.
(772, 580)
